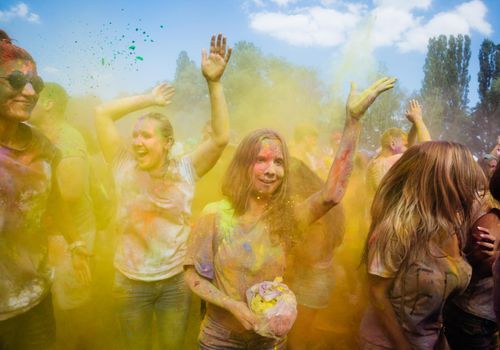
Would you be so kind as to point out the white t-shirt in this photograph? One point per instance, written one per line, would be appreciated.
(153, 218)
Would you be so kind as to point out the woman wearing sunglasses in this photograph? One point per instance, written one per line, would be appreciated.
(28, 196)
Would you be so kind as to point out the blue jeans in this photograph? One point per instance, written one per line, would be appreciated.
(33, 330)
(214, 336)
(138, 302)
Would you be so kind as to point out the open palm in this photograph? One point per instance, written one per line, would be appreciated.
(358, 103)
(214, 64)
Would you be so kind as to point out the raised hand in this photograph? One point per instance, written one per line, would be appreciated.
(213, 65)
(162, 94)
(414, 112)
(358, 103)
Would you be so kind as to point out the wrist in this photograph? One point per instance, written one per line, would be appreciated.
(227, 303)
(149, 100)
(353, 121)
(213, 83)
(418, 121)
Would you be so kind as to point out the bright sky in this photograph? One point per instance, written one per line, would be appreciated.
(108, 47)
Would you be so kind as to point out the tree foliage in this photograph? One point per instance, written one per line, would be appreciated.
(486, 116)
(190, 106)
(489, 73)
(445, 87)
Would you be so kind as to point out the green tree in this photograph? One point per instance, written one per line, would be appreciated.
(487, 112)
(268, 91)
(489, 71)
(190, 108)
(445, 87)
(387, 112)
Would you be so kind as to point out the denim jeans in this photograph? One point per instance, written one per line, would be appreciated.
(214, 336)
(469, 332)
(138, 303)
(33, 330)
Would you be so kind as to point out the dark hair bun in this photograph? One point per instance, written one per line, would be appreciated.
(5, 37)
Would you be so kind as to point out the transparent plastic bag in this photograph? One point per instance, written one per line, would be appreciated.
(276, 306)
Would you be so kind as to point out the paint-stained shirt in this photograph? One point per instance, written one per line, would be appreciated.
(233, 258)
(26, 190)
(153, 218)
(420, 288)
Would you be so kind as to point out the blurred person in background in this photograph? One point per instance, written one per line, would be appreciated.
(394, 142)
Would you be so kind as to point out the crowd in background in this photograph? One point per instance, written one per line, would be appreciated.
(143, 241)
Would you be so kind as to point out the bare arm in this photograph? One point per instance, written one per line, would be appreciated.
(107, 113)
(63, 196)
(482, 251)
(206, 155)
(336, 183)
(210, 293)
(418, 131)
(378, 288)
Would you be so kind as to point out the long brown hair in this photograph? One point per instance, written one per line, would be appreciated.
(237, 183)
(431, 189)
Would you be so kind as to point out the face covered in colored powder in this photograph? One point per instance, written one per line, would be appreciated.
(268, 169)
(149, 146)
(16, 103)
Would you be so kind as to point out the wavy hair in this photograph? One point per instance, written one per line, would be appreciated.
(237, 184)
(431, 189)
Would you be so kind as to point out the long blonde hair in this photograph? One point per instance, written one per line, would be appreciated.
(431, 189)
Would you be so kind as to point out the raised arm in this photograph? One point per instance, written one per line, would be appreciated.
(206, 154)
(107, 113)
(418, 132)
(334, 189)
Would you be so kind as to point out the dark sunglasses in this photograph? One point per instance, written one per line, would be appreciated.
(18, 81)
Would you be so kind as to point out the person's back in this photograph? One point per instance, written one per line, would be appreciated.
(413, 253)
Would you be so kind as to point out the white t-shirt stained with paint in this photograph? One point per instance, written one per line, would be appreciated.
(153, 218)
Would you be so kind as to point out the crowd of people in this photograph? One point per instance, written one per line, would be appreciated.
(413, 228)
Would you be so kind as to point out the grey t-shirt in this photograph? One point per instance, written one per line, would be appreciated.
(421, 287)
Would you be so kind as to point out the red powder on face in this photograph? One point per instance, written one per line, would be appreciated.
(270, 151)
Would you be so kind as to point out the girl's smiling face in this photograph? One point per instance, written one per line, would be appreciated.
(268, 169)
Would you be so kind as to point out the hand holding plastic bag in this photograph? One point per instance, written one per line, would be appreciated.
(276, 306)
